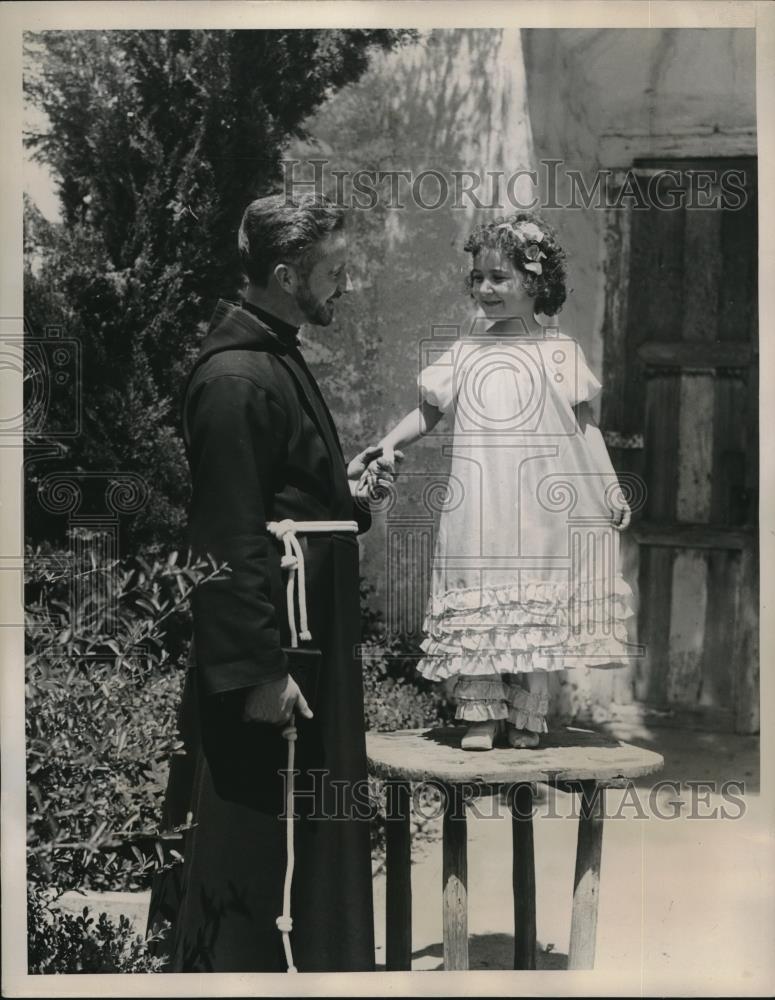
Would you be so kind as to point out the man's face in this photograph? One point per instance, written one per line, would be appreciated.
(319, 289)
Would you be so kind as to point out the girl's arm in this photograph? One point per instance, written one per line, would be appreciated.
(411, 428)
(591, 432)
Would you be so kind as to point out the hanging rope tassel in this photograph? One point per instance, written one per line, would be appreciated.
(284, 921)
(293, 561)
(304, 632)
(290, 562)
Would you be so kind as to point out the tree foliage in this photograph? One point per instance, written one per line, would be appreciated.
(157, 141)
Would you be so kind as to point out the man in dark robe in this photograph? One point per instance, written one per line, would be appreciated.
(262, 447)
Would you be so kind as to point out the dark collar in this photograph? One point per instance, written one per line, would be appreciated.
(285, 332)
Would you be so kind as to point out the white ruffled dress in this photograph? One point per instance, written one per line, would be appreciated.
(526, 567)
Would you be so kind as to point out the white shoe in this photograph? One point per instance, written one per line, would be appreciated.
(520, 739)
(480, 735)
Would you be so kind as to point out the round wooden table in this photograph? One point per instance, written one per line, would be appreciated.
(571, 759)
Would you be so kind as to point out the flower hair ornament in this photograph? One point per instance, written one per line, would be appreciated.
(529, 238)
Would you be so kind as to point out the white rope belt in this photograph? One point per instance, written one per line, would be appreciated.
(293, 561)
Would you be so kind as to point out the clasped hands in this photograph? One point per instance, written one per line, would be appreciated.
(373, 468)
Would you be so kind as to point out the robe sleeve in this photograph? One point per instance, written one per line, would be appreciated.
(437, 382)
(362, 514)
(237, 440)
(570, 370)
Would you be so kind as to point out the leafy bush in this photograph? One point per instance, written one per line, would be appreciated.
(64, 942)
(105, 644)
(391, 702)
(395, 695)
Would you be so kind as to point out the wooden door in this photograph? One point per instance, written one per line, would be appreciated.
(680, 410)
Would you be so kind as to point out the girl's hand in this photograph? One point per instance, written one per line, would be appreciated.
(386, 462)
(621, 511)
(381, 471)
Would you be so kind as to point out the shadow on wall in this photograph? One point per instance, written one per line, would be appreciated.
(438, 105)
(441, 105)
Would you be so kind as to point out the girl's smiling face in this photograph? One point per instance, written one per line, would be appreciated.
(497, 287)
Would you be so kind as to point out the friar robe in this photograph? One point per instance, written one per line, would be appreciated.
(262, 446)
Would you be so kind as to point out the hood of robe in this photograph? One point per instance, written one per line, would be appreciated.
(233, 328)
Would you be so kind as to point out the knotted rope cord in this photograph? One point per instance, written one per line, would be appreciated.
(284, 921)
(293, 561)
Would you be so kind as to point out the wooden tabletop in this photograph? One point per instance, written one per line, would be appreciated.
(565, 754)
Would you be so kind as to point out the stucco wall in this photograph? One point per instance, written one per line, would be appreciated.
(583, 85)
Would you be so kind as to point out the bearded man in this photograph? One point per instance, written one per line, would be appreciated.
(263, 451)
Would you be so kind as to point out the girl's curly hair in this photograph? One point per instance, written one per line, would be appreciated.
(507, 235)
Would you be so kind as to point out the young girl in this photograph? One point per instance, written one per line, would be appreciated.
(525, 575)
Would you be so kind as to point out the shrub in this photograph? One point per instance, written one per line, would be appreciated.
(395, 695)
(105, 644)
(64, 942)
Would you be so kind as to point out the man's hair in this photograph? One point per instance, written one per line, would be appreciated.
(281, 229)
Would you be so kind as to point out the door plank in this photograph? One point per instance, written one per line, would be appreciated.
(655, 587)
(702, 274)
(730, 501)
(752, 444)
(663, 318)
(695, 448)
(616, 408)
(663, 397)
(746, 654)
(688, 608)
(739, 284)
(718, 649)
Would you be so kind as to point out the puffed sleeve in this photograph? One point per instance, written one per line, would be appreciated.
(568, 366)
(437, 381)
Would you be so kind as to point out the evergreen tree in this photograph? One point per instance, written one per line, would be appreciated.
(157, 140)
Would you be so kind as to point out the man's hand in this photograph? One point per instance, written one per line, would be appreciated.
(373, 467)
(275, 702)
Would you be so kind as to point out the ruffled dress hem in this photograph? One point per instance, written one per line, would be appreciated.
(517, 630)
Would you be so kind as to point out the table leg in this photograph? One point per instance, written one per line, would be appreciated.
(523, 877)
(455, 881)
(586, 883)
(398, 879)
